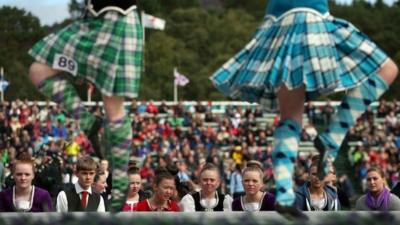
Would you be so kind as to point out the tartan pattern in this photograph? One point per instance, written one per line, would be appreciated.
(119, 137)
(303, 47)
(60, 90)
(107, 49)
(286, 143)
(353, 105)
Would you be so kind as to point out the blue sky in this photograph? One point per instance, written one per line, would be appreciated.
(51, 11)
(48, 11)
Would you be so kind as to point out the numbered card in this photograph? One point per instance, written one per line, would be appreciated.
(65, 63)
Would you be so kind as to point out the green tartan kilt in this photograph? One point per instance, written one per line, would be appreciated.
(106, 50)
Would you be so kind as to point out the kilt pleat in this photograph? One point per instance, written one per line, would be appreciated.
(302, 47)
(107, 50)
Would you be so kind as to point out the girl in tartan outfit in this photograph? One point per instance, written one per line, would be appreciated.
(106, 49)
(301, 50)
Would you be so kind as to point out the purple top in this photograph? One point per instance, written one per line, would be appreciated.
(41, 201)
(267, 203)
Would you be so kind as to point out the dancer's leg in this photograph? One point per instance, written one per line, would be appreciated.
(118, 134)
(286, 143)
(57, 88)
(352, 106)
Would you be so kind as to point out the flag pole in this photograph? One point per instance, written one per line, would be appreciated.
(175, 93)
(89, 96)
(1, 79)
(175, 89)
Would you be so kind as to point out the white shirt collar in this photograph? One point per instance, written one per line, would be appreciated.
(79, 189)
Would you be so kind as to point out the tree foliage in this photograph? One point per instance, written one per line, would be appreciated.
(197, 40)
(76, 8)
(19, 30)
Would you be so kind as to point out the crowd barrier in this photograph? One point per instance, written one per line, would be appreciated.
(213, 218)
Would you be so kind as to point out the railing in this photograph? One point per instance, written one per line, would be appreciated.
(216, 106)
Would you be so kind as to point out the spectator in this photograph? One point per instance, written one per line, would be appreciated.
(59, 131)
(49, 173)
(314, 195)
(258, 113)
(81, 197)
(133, 107)
(382, 109)
(179, 109)
(183, 173)
(151, 108)
(327, 111)
(163, 188)
(311, 132)
(104, 166)
(378, 197)
(71, 150)
(200, 108)
(346, 185)
(254, 199)
(23, 196)
(176, 121)
(135, 192)
(236, 120)
(163, 107)
(236, 182)
(99, 186)
(311, 113)
(146, 172)
(208, 199)
(142, 108)
(331, 180)
(391, 119)
(208, 117)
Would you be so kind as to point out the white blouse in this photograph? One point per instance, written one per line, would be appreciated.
(22, 205)
(187, 203)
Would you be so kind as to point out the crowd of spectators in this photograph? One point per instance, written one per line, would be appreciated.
(375, 140)
(185, 135)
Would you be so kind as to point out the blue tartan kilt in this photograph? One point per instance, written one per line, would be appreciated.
(301, 47)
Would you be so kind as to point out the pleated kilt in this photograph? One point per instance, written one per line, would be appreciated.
(106, 50)
(301, 47)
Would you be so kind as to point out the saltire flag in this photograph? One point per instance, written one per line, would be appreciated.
(180, 79)
(3, 85)
(152, 22)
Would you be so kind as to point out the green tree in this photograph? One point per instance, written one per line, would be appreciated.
(196, 40)
(167, 6)
(253, 7)
(76, 8)
(194, 43)
(18, 31)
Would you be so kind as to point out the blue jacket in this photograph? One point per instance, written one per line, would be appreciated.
(236, 185)
(303, 199)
